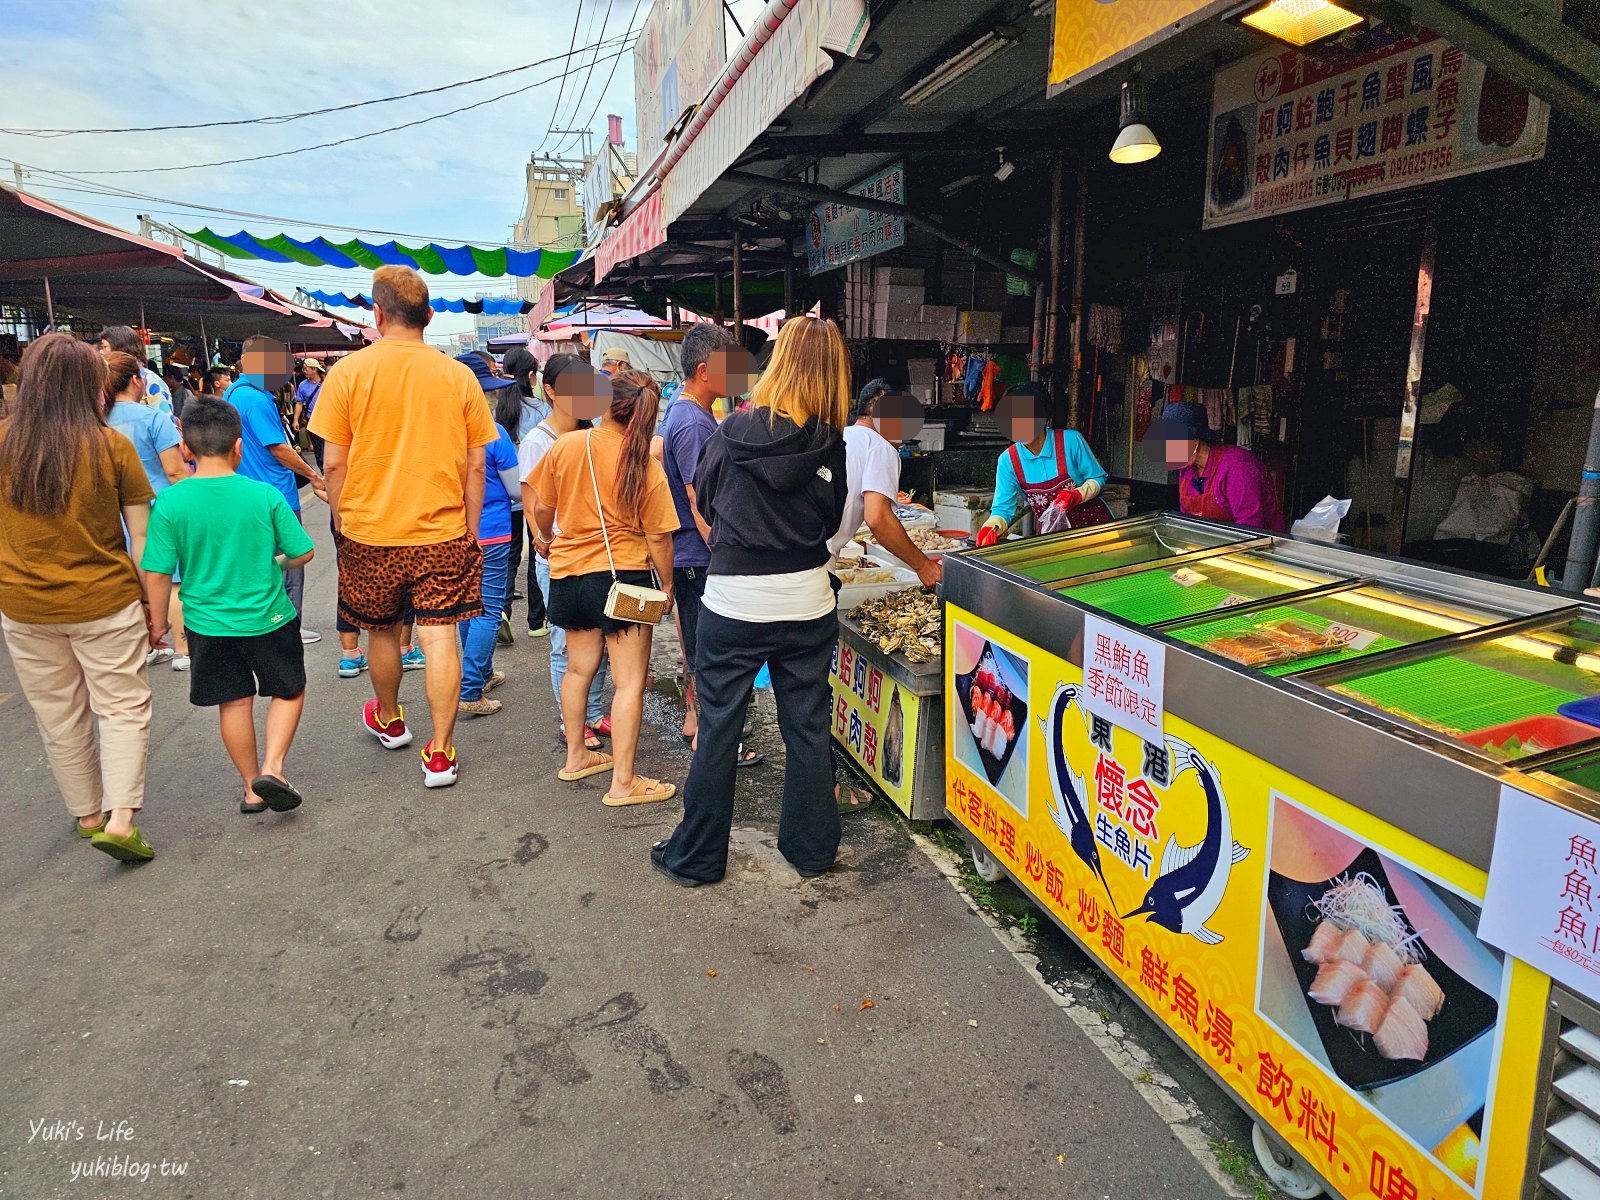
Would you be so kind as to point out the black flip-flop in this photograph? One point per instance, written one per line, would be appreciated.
(755, 758)
(251, 810)
(278, 795)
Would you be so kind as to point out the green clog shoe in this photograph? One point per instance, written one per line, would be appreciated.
(88, 833)
(129, 848)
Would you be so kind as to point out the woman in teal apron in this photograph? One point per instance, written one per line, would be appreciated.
(1052, 472)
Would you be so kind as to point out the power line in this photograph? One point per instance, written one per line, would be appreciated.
(637, 5)
(120, 193)
(345, 141)
(576, 18)
(587, 78)
(284, 118)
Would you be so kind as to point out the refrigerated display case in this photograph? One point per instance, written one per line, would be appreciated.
(1288, 872)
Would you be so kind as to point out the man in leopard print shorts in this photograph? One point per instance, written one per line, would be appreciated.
(405, 427)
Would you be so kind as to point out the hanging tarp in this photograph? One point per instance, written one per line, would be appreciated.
(494, 307)
(431, 259)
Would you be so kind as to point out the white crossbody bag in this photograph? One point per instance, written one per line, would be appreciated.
(625, 601)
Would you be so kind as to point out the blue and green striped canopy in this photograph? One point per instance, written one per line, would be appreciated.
(432, 259)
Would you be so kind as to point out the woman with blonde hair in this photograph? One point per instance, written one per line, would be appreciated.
(772, 486)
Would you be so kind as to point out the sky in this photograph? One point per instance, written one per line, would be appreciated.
(80, 64)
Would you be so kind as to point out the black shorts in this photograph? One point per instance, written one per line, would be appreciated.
(230, 668)
(578, 602)
(688, 586)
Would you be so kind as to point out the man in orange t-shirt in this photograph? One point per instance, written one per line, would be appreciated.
(405, 427)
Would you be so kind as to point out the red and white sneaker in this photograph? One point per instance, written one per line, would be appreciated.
(391, 736)
(438, 769)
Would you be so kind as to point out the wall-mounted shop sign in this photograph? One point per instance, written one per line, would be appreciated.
(1289, 132)
(680, 52)
(1093, 35)
(837, 234)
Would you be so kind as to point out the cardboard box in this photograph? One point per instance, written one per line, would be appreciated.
(899, 276)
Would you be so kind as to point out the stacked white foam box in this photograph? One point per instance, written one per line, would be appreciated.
(977, 328)
(898, 294)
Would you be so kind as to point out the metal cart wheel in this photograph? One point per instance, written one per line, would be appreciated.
(986, 865)
(1287, 1171)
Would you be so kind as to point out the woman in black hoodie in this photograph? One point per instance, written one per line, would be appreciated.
(771, 484)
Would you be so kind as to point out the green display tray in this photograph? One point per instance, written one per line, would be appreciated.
(1456, 694)
(1584, 773)
(1250, 622)
(1070, 566)
(1149, 597)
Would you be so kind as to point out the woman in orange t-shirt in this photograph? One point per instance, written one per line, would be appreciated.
(637, 515)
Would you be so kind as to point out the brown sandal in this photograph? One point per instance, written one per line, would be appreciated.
(599, 768)
(650, 791)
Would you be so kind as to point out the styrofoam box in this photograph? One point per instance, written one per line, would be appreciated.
(937, 314)
(964, 519)
(899, 276)
(1017, 335)
(978, 327)
(921, 371)
(898, 310)
(969, 499)
(932, 437)
(898, 294)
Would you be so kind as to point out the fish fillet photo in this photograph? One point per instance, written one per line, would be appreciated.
(1376, 971)
(992, 686)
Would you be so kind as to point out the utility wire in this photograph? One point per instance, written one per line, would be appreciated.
(577, 17)
(588, 77)
(283, 118)
(627, 37)
(121, 193)
(345, 141)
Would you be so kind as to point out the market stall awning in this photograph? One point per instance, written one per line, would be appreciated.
(641, 231)
(432, 259)
(490, 306)
(101, 273)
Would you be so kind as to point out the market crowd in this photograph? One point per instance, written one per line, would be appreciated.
(150, 520)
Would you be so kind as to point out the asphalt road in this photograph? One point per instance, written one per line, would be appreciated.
(486, 991)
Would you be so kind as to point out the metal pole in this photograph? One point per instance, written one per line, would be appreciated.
(738, 287)
(1581, 549)
(1404, 454)
(716, 298)
(1052, 325)
(49, 304)
(205, 349)
(788, 290)
(1080, 219)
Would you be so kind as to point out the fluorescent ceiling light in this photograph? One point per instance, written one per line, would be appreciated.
(1301, 22)
(956, 68)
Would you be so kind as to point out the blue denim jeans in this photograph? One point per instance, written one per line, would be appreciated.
(477, 634)
(558, 652)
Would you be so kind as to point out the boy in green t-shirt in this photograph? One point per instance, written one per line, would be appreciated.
(233, 539)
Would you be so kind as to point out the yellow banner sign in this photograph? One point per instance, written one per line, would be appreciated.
(1091, 32)
(875, 719)
(1325, 965)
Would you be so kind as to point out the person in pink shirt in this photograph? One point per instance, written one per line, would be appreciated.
(1220, 483)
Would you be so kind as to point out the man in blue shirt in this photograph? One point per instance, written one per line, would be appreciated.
(689, 425)
(267, 455)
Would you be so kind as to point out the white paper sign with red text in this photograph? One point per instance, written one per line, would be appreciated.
(1124, 676)
(1543, 900)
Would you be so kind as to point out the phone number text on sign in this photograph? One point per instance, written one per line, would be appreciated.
(1124, 677)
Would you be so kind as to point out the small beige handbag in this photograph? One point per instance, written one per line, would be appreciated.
(625, 601)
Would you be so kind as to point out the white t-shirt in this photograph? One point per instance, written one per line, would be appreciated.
(872, 465)
(767, 599)
(530, 452)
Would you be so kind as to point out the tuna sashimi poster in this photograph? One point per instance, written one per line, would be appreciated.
(1324, 965)
(1289, 131)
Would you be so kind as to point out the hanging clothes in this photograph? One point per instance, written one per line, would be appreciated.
(991, 387)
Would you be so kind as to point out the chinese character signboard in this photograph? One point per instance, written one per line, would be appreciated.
(875, 720)
(1328, 968)
(1124, 677)
(837, 234)
(1289, 132)
(680, 53)
(1543, 884)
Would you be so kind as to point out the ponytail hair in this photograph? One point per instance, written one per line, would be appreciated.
(120, 370)
(635, 401)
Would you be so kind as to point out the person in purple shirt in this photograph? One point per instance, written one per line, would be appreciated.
(1220, 483)
(704, 359)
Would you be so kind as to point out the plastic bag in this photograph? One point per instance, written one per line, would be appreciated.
(1322, 522)
(1487, 509)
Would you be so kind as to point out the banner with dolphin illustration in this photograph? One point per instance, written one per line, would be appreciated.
(1193, 873)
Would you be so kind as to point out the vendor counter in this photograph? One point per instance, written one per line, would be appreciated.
(1259, 780)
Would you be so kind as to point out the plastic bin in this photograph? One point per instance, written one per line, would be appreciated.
(1549, 731)
(1587, 711)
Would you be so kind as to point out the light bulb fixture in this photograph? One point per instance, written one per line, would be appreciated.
(1301, 22)
(1136, 142)
(1006, 169)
